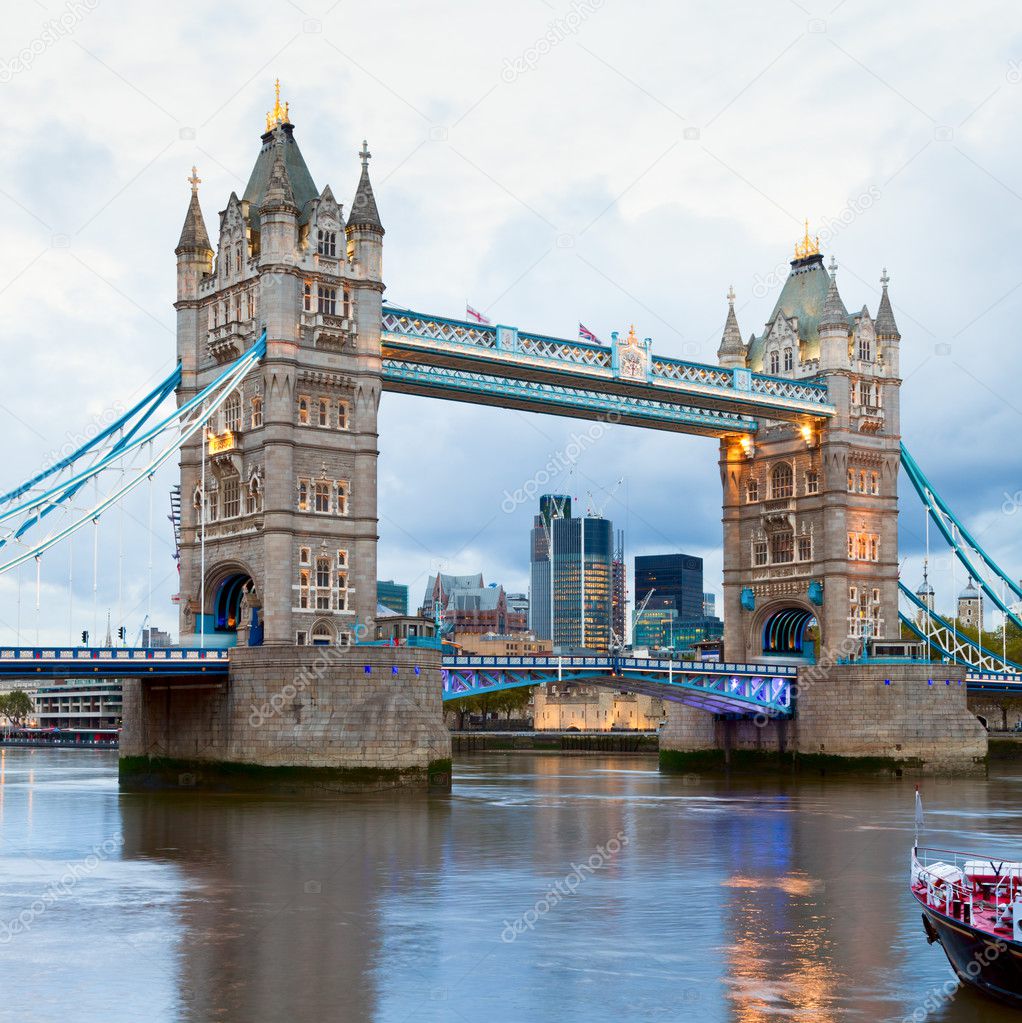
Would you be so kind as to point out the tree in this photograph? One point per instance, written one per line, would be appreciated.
(16, 706)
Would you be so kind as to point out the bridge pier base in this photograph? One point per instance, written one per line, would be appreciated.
(888, 718)
(294, 720)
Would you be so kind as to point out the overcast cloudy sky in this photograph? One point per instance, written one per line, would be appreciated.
(607, 162)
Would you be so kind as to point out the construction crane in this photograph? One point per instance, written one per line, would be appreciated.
(595, 509)
(639, 612)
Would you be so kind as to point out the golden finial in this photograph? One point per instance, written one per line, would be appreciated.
(808, 246)
(279, 114)
(195, 181)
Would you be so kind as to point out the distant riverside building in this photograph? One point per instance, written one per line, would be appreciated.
(154, 637)
(79, 703)
(678, 576)
(557, 707)
(515, 644)
(518, 603)
(679, 613)
(393, 595)
(970, 606)
(572, 584)
(470, 606)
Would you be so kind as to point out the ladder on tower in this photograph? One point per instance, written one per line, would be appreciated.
(175, 520)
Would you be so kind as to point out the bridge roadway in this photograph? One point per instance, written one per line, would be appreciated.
(438, 357)
(718, 687)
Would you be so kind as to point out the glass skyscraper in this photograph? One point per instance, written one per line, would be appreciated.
(571, 599)
(676, 576)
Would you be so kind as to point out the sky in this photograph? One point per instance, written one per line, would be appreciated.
(549, 163)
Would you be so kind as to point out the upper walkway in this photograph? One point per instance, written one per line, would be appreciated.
(463, 361)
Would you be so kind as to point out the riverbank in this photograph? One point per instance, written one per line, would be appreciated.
(556, 742)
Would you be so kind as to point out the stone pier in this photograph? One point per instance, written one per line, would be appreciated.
(872, 717)
(298, 720)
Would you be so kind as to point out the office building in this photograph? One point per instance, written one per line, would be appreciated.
(393, 595)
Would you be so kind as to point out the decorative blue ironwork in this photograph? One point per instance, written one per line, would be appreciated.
(815, 592)
(463, 385)
(748, 599)
(111, 662)
(717, 687)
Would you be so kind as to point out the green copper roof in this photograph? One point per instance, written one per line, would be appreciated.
(302, 185)
(803, 295)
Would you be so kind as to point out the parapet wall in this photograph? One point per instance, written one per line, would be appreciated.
(297, 718)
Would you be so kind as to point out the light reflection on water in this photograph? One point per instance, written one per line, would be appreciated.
(755, 900)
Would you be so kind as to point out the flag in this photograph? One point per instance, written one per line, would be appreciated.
(474, 314)
(585, 334)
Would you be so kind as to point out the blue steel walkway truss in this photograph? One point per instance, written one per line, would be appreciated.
(716, 687)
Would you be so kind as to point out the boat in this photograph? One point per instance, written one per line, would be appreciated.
(972, 906)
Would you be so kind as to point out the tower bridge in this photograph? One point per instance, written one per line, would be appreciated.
(285, 347)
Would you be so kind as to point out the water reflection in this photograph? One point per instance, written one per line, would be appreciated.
(747, 901)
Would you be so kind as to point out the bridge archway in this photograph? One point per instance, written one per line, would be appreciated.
(787, 630)
(227, 610)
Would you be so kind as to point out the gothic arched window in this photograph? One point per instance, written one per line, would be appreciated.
(789, 359)
(782, 481)
(775, 362)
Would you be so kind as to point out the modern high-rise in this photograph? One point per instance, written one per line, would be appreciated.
(572, 577)
(551, 507)
(676, 576)
(392, 595)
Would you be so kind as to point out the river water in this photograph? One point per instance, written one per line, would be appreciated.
(542, 888)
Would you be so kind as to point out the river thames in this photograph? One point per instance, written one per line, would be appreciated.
(542, 888)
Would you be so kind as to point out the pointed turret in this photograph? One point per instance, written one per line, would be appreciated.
(834, 312)
(731, 352)
(194, 252)
(363, 210)
(886, 327)
(279, 193)
(194, 236)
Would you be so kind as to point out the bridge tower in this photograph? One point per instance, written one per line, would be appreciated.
(289, 466)
(279, 516)
(811, 510)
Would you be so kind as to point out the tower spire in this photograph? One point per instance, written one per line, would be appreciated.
(886, 327)
(731, 351)
(363, 210)
(193, 234)
(834, 312)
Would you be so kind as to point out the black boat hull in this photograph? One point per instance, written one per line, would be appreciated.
(989, 963)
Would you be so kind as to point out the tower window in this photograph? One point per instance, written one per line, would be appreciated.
(782, 547)
(303, 588)
(788, 359)
(874, 484)
(303, 411)
(782, 481)
(752, 490)
(342, 497)
(303, 495)
(307, 297)
(347, 304)
(322, 584)
(342, 415)
(322, 497)
(862, 481)
(257, 413)
(305, 555)
(865, 349)
(327, 243)
(759, 552)
(805, 548)
(851, 481)
(232, 498)
(812, 482)
(324, 412)
(327, 300)
(232, 413)
(775, 362)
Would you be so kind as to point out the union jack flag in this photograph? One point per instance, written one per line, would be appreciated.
(474, 314)
(585, 334)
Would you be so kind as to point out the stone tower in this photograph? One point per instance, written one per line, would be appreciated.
(810, 511)
(289, 465)
(925, 595)
(970, 606)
